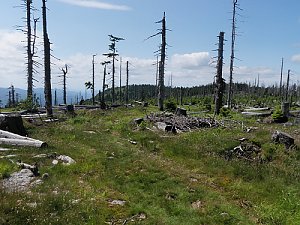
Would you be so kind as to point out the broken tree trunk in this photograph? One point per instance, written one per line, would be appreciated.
(12, 122)
(219, 79)
(180, 112)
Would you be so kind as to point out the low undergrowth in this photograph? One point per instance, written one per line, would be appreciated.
(161, 178)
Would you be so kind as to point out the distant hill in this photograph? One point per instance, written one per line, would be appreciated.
(71, 95)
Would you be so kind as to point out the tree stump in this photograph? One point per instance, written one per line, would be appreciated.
(13, 123)
(180, 112)
(283, 138)
(285, 108)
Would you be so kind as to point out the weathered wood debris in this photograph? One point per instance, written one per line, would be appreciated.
(9, 138)
(283, 138)
(174, 123)
(246, 150)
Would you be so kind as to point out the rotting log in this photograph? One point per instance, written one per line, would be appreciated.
(23, 142)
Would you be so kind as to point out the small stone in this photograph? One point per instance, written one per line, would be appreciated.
(133, 142)
(75, 201)
(32, 205)
(192, 179)
(40, 156)
(67, 160)
(117, 202)
(197, 204)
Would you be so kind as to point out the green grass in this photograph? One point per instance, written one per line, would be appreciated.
(161, 176)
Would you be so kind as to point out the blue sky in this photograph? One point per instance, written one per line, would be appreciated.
(269, 30)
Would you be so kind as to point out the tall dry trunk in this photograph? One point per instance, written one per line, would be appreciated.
(47, 64)
(120, 93)
(280, 84)
(219, 79)
(233, 35)
(127, 80)
(113, 78)
(103, 86)
(65, 71)
(287, 86)
(161, 85)
(29, 52)
(93, 81)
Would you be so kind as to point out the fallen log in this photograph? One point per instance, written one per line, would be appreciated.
(23, 142)
(9, 138)
(6, 134)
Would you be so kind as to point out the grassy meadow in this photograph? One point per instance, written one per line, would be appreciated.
(161, 178)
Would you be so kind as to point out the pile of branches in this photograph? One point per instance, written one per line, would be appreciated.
(246, 150)
(181, 123)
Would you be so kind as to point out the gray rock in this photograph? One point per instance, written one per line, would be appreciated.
(67, 160)
(18, 181)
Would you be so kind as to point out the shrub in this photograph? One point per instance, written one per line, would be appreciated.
(278, 116)
(171, 106)
(29, 104)
(225, 112)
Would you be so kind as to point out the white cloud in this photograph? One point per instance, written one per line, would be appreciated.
(296, 58)
(190, 60)
(12, 59)
(96, 4)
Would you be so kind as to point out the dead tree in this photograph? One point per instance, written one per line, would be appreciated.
(287, 86)
(93, 81)
(112, 54)
(161, 86)
(127, 80)
(55, 97)
(47, 64)
(30, 48)
(280, 84)
(232, 57)
(29, 52)
(65, 71)
(120, 93)
(219, 79)
(161, 70)
(104, 84)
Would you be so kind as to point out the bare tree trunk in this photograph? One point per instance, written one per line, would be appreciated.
(113, 78)
(233, 35)
(127, 80)
(219, 78)
(287, 86)
(103, 85)
(29, 53)
(280, 84)
(65, 71)
(181, 95)
(120, 94)
(47, 64)
(55, 97)
(161, 85)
